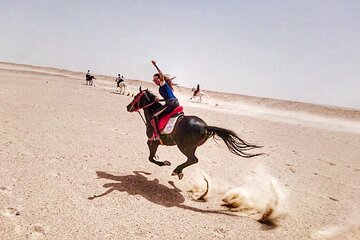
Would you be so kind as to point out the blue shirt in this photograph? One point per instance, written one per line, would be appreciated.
(166, 92)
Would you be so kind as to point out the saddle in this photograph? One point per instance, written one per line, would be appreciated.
(167, 122)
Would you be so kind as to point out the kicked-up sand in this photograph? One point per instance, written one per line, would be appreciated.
(73, 165)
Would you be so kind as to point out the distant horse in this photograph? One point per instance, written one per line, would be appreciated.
(189, 133)
(122, 87)
(89, 80)
(198, 93)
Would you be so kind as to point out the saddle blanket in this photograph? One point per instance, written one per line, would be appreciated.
(170, 125)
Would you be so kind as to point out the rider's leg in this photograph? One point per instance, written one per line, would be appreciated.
(165, 109)
(154, 122)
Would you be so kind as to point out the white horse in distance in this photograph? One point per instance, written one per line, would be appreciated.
(123, 89)
(197, 93)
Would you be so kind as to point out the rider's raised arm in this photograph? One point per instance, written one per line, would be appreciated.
(162, 79)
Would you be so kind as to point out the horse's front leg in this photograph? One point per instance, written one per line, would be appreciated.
(153, 145)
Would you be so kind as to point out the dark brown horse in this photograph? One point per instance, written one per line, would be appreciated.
(189, 133)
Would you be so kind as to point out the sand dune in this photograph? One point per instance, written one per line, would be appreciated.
(74, 164)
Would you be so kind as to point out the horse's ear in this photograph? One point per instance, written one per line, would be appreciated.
(140, 89)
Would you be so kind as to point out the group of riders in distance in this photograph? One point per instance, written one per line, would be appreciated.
(121, 86)
(166, 124)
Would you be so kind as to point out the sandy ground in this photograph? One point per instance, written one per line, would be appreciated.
(62, 142)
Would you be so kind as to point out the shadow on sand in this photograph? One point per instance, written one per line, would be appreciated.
(138, 184)
(151, 190)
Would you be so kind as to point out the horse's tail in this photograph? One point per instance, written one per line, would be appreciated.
(234, 143)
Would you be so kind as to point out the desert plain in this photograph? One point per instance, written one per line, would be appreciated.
(74, 164)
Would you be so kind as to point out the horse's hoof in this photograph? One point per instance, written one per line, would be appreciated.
(167, 163)
(180, 175)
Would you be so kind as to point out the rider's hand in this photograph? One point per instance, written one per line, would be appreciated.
(153, 62)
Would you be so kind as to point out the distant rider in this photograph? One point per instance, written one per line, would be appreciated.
(119, 79)
(88, 77)
(197, 90)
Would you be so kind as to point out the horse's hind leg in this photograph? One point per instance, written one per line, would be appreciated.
(191, 159)
(153, 146)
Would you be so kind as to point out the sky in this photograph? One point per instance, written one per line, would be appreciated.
(303, 50)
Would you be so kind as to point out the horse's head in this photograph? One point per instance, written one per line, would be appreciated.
(193, 89)
(141, 100)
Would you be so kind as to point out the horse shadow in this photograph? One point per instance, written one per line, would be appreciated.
(138, 184)
(151, 190)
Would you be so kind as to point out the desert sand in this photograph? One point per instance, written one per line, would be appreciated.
(73, 165)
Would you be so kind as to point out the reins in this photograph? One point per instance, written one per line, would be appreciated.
(142, 118)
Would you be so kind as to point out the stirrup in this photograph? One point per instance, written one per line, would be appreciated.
(156, 138)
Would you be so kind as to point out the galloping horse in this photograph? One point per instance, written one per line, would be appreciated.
(122, 88)
(189, 133)
(199, 94)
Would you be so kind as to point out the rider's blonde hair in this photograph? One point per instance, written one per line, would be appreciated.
(168, 79)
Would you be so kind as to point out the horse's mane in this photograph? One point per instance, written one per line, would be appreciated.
(152, 98)
(150, 94)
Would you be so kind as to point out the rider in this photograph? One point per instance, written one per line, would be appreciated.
(119, 79)
(166, 91)
(88, 77)
(197, 90)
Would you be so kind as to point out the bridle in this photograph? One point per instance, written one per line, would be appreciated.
(137, 101)
(137, 108)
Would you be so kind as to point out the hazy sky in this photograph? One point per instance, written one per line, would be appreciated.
(304, 50)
